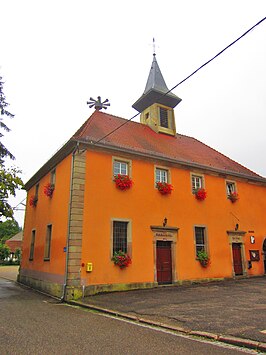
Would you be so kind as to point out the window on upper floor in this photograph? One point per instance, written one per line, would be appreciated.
(52, 177)
(230, 187)
(36, 193)
(200, 239)
(32, 244)
(161, 175)
(47, 248)
(196, 182)
(121, 166)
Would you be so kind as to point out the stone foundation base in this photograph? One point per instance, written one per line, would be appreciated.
(94, 289)
(50, 288)
(77, 292)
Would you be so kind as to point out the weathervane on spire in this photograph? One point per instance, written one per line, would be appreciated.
(98, 104)
(153, 44)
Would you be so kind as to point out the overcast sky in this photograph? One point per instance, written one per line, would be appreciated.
(56, 54)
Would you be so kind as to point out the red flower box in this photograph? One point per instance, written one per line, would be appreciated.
(49, 189)
(164, 188)
(33, 201)
(201, 194)
(123, 182)
(233, 197)
(121, 259)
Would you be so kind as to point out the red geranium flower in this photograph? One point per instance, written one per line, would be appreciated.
(123, 182)
(48, 189)
(200, 194)
(121, 259)
(164, 188)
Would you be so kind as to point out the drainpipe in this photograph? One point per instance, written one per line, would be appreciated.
(63, 297)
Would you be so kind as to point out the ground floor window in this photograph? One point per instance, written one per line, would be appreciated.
(200, 239)
(120, 236)
(47, 248)
(32, 243)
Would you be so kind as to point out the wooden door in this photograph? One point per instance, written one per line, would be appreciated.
(264, 255)
(237, 259)
(164, 262)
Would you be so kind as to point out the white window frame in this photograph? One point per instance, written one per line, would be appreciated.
(230, 187)
(161, 174)
(205, 244)
(197, 182)
(121, 166)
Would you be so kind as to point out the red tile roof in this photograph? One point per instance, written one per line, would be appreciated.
(15, 242)
(141, 139)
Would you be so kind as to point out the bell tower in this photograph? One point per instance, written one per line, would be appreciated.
(157, 103)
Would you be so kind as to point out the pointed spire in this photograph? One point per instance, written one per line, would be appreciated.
(155, 80)
(156, 90)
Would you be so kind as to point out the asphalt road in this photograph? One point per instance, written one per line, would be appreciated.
(32, 323)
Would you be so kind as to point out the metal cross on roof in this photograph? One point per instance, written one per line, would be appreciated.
(98, 104)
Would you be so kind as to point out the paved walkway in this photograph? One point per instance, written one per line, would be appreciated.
(234, 308)
(9, 272)
(219, 310)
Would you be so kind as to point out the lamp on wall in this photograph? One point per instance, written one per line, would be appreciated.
(165, 221)
(236, 227)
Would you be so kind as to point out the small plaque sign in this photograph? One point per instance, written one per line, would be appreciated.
(163, 234)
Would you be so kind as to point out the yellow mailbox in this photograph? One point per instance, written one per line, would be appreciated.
(89, 267)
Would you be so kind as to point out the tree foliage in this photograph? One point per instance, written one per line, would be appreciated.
(9, 177)
(4, 252)
(8, 229)
(18, 254)
(4, 152)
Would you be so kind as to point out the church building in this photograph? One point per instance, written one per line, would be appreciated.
(126, 205)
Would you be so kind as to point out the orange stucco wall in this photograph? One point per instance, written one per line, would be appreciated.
(145, 206)
(49, 210)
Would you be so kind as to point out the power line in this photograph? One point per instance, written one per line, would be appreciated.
(189, 76)
(223, 50)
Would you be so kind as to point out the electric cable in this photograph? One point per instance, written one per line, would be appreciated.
(189, 76)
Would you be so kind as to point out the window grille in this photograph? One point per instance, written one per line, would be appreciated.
(120, 230)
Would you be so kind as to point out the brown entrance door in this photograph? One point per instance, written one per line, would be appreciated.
(264, 255)
(237, 258)
(164, 262)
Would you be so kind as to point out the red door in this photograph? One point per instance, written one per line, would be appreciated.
(237, 259)
(164, 262)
